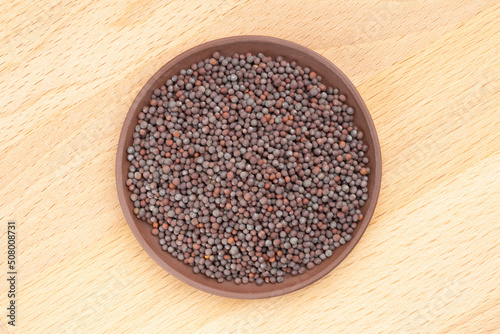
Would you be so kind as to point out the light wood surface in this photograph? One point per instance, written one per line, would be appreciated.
(429, 72)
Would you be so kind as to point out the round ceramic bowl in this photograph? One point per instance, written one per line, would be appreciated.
(273, 47)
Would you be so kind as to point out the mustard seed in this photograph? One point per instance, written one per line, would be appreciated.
(248, 168)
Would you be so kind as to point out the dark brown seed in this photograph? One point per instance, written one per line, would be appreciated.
(248, 168)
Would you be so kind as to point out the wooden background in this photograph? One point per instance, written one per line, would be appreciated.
(429, 73)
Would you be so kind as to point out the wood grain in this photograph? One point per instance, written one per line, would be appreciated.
(429, 73)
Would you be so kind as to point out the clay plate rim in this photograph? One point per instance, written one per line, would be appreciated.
(363, 121)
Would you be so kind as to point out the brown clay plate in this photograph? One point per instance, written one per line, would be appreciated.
(269, 46)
